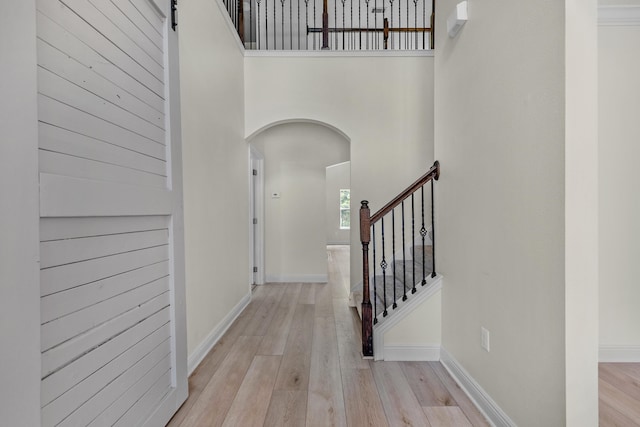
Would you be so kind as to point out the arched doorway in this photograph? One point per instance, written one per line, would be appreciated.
(290, 231)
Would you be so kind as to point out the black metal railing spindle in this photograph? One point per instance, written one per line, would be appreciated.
(424, 21)
(282, 23)
(375, 22)
(413, 244)
(404, 257)
(306, 19)
(393, 252)
(375, 291)
(258, 25)
(423, 233)
(383, 266)
(433, 234)
(415, 21)
(335, 23)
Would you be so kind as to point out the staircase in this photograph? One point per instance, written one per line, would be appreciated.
(399, 263)
(408, 275)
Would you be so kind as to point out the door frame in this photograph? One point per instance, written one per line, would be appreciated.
(256, 210)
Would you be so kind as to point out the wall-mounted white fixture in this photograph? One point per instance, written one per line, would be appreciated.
(457, 19)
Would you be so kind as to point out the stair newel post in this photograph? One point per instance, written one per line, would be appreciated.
(365, 238)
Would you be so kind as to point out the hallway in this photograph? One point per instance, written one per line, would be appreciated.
(292, 358)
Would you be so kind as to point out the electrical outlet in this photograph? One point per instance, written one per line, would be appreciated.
(485, 339)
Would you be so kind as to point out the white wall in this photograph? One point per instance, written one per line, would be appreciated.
(216, 177)
(619, 153)
(19, 248)
(501, 137)
(384, 105)
(296, 156)
(421, 328)
(338, 177)
(581, 212)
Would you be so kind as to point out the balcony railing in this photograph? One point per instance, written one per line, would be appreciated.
(333, 24)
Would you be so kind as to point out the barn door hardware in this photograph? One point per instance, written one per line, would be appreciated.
(174, 22)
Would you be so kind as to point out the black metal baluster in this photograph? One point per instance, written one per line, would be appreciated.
(375, 23)
(343, 35)
(384, 17)
(423, 233)
(433, 235)
(413, 240)
(258, 25)
(335, 23)
(314, 24)
(250, 22)
(359, 22)
(282, 15)
(275, 22)
(404, 259)
(383, 266)
(393, 252)
(375, 293)
(415, 21)
(424, 21)
(306, 20)
(298, 24)
(407, 35)
(399, 23)
(351, 36)
(367, 33)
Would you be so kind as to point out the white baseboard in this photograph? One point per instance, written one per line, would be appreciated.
(412, 353)
(214, 336)
(297, 278)
(619, 353)
(496, 416)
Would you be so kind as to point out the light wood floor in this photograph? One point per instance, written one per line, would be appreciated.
(292, 358)
(619, 391)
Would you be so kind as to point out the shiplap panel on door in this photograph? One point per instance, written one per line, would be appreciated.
(107, 213)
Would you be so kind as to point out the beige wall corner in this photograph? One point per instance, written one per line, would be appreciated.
(216, 169)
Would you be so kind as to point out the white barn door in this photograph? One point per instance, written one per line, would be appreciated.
(111, 235)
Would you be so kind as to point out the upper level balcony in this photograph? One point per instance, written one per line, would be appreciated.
(338, 25)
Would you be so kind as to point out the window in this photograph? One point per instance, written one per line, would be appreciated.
(345, 209)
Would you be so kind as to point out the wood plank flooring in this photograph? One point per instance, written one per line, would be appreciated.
(292, 358)
(619, 392)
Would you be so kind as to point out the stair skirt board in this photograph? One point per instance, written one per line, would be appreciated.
(477, 394)
(619, 354)
(214, 336)
(404, 308)
(296, 278)
(412, 353)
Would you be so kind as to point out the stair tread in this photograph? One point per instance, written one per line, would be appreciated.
(403, 272)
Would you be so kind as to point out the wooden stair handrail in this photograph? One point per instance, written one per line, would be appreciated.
(433, 173)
